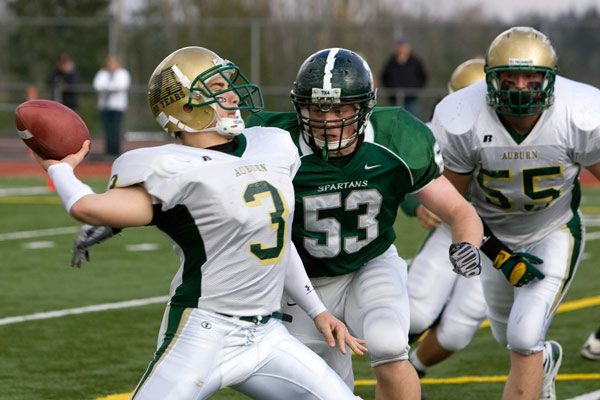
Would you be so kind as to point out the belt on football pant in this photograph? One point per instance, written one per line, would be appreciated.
(261, 319)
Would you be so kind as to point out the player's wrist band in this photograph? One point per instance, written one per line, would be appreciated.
(69, 188)
(492, 247)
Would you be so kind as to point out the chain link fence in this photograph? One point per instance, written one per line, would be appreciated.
(269, 52)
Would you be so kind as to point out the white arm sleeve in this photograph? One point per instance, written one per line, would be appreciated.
(299, 287)
(69, 188)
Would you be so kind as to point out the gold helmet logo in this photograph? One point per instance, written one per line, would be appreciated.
(521, 49)
(467, 73)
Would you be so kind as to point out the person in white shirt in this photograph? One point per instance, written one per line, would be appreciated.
(112, 84)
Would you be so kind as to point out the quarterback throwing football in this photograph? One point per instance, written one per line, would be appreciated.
(225, 198)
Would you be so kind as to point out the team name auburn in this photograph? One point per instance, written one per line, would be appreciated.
(342, 185)
(520, 155)
(246, 169)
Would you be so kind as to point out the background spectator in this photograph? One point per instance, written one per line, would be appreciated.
(403, 70)
(62, 81)
(112, 83)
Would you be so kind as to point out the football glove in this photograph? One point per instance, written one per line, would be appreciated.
(465, 259)
(519, 268)
(88, 236)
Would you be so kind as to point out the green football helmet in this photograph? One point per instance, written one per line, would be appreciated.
(520, 49)
(328, 78)
(181, 100)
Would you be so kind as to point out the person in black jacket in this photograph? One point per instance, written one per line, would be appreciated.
(62, 81)
(403, 70)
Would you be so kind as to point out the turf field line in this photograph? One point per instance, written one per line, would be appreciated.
(67, 230)
(592, 236)
(83, 310)
(567, 306)
(573, 305)
(587, 396)
(459, 380)
(30, 200)
(23, 191)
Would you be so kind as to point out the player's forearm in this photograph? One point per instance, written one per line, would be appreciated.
(442, 199)
(465, 224)
(117, 208)
(298, 286)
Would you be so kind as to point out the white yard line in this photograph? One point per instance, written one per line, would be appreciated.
(592, 236)
(83, 310)
(67, 230)
(587, 396)
(23, 191)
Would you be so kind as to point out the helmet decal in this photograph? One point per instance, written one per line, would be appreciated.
(329, 68)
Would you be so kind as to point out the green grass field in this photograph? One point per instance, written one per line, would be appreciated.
(103, 354)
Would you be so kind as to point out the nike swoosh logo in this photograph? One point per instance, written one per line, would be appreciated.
(368, 167)
(290, 304)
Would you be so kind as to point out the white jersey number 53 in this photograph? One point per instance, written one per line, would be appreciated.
(332, 228)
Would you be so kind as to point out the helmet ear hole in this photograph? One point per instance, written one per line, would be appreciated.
(187, 108)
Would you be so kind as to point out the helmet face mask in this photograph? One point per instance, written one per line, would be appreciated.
(319, 130)
(328, 81)
(521, 50)
(250, 96)
(181, 98)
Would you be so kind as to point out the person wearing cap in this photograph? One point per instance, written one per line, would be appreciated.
(403, 70)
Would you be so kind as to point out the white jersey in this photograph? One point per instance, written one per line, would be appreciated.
(229, 216)
(523, 191)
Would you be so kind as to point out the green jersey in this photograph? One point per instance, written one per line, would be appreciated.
(345, 215)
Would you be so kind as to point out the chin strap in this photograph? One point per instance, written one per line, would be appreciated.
(228, 127)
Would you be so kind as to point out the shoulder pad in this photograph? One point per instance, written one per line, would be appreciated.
(137, 165)
(579, 102)
(457, 112)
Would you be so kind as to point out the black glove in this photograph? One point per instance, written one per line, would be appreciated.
(465, 259)
(88, 236)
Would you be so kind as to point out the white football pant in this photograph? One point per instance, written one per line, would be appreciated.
(520, 316)
(203, 352)
(373, 303)
(436, 291)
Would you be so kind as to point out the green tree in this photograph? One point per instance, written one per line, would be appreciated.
(42, 29)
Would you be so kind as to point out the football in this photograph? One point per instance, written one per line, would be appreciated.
(49, 128)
